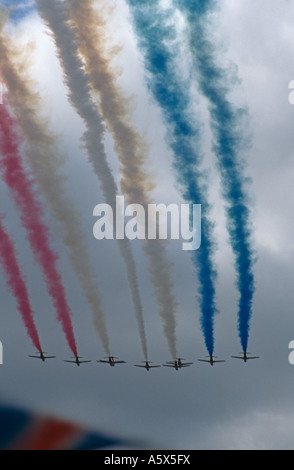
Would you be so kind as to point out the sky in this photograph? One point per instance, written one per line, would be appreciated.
(228, 406)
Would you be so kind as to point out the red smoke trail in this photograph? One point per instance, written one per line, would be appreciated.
(17, 285)
(25, 198)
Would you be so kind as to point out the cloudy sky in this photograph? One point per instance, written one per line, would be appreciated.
(229, 406)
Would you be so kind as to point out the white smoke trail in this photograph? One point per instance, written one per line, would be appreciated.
(55, 16)
(92, 39)
(45, 160)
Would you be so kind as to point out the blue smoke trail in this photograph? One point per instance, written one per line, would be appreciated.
(18, 9)
(226, 121)
(155, 32)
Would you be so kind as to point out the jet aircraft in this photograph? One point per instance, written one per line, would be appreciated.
(178, 364)
(244, 356)
(42, 356)
(147, 365)
(77, 361)
(111, 360)
(211, 360)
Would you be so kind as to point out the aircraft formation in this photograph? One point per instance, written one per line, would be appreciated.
(177, 364)
(104, 107)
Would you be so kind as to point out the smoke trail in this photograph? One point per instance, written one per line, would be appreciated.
(54, 14)
(155, 28)
(16, 284)
(25, 199)
(92, 38)
(226, 122)
(31, 215)
(15, 177)
(44, 159)
(135, 183)
(56, 17)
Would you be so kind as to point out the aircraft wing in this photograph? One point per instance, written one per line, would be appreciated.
(146, 367)
(45, 357)
(75, 362)
(119, 362)
(247, 357)
(81, 362)
(182, 363)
